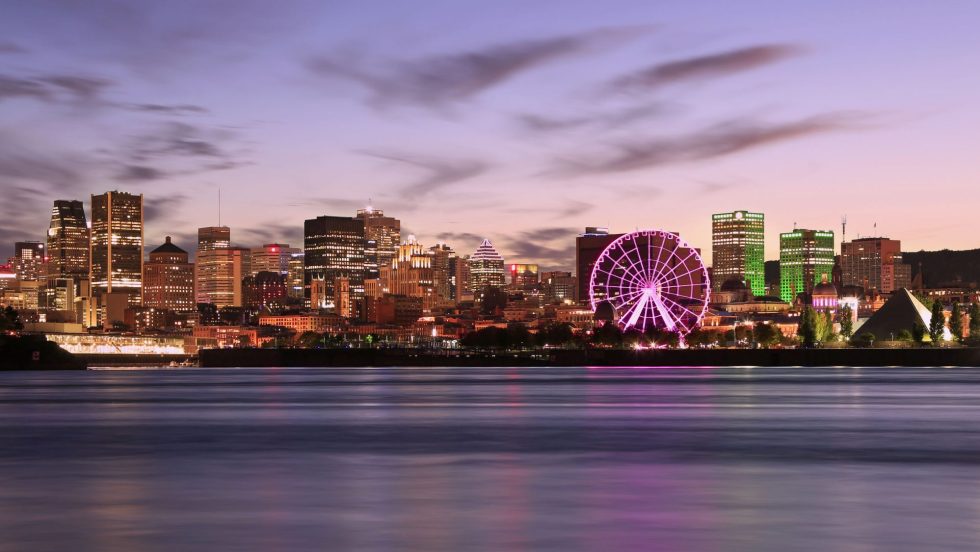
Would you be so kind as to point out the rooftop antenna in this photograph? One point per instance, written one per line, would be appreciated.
(843, 229)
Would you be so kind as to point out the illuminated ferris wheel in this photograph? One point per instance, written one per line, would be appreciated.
(651, 279)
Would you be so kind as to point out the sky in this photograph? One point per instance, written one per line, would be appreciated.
(522, 122)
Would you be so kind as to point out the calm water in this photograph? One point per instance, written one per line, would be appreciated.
(491, 459)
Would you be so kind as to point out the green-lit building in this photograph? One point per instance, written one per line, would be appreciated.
(805, 256)
(738, 249)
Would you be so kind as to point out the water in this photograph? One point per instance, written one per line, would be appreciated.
(690, 459)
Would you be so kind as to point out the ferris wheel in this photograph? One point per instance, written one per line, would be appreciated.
(651, 279)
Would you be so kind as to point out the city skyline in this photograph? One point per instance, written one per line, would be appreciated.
(639, 119)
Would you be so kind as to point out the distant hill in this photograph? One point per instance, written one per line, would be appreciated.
(942, 268)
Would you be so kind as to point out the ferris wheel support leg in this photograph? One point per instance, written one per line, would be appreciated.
(663, 312)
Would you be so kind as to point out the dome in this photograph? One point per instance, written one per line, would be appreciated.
(825, 289)
(734, 284)
(604, 312)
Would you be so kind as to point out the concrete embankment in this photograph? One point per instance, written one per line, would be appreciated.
(216, 358)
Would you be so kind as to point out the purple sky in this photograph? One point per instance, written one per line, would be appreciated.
(518, 121)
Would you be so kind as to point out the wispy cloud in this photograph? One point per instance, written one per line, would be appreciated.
(11, 48)
(175, 149)
(717, 141)
(181, 109)
(550, 246)
(601, 120)
(436, 172)
(704, 67)
(53, 88)
(156, 207)
(438, 81)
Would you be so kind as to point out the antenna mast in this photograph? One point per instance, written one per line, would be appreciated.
(219, 205)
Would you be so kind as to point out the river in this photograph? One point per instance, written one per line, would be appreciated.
(680, 459)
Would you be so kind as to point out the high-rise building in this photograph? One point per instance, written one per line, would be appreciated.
(443, 272)
(272, 257)
(874, 263)
(209, 239)
(265, 291)
(558, 286)
(486, 268)
(385, 232)
(28, 261)
(294, 277)
(68, 241)
(333, 247)
(117, 245)
(411, 274)
(738, 249)
(168, 279)
(220, 274)
(588, 247)
(213, 237)
(805, 257)
(523, 277)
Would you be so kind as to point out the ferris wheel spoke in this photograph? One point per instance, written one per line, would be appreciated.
(633, 315)
(680, 306)
(664, 313)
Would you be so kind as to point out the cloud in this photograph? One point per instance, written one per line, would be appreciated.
(291, 234)
(453, 239)
(174, 149)
(139, 173)
(11, 48)
(158, 207)
(703, 67)
(182, 109)
(602, 120)
(54, 88)
(441, 80)
(718, 141)
(437, 173)
(18, 164)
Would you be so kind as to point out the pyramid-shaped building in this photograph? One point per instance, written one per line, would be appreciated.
(901, 312)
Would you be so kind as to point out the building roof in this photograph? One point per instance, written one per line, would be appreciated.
(486, 252)
(168, 247)
(825, 288)
(900, 312)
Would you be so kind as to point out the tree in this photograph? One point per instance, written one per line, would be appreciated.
(10, 320)
(608, 334)
(807, 329)
(825, 326)
(309, 340)
(937, 324)
(518, 335)
(904, 335)
(975, 323)
(244, 340)
(555, 334)
(918, 331)
(846, 322)
(867, 339)
(766, 335)
(956, 322)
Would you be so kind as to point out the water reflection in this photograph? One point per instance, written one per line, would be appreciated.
(491, 459)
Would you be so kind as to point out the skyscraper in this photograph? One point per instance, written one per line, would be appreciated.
(168, 279)
(738, 249)
(805, 257)
(486, 268)
(117, 244)
(874, 263)
(443, 272)
(209, 238)
(272, 257)
(220, 274)
(588, 247)
(333, 247)
(385, 232)
(68, 241)
(523, 277)
(28, 261)
(411, 274)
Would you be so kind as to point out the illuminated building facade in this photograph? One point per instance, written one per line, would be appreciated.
(333, 247)
(68, 241)
(265, 291)
(385, 233)
(523, 277)
(411, 274)
(443, 273)
(294, 277)
(486, 268)
(168, 279)
(28, 262)
(738, 249)
(272, 257)
(117, 245)
(588, 247)
(874, 263)
(221, 273)
(558, 286)
(805, 258)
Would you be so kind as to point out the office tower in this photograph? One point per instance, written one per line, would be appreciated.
(213, 237)
(333, 248)
(68, 241)
(486, 269)
(385, 232)
(272, 257)
(294, 276)
(874, 263)
(558, 286)
(219, 276)
(588, 247)
(523, 277)
(117, 245)
(805, 258)
(738, 249)
(461, 288)
(168, 279)
(443, 272)
(411, 274)
(28, 261)
(209, 239)
(265, 291)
